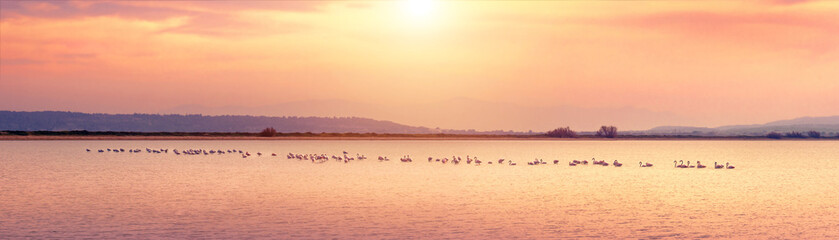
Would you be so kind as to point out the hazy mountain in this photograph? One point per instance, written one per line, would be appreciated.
(825, 125)
(458, 113)
(61, 121)
(832, 120)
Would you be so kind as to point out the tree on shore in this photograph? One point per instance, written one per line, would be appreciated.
(814, 134)
(268, 132)
(774, 135)
(565, 132)
(607, 131)
(794, 134)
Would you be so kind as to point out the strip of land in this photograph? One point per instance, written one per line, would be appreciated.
(85, 135)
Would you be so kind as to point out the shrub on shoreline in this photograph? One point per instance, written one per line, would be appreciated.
(565, 132)
(268, 132)
(795, 134)
(607, 131)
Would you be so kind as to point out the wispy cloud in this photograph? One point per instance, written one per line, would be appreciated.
(812, 31)
(149, 10)
(788, 2)
(213, 18)
(19, 61)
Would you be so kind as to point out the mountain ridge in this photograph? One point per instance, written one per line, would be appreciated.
(458, 113)
(828, 125)
(138, 122)
(141, 122)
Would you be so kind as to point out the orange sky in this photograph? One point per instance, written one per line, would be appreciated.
(704, 63)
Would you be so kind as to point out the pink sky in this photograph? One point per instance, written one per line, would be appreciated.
(704, 63)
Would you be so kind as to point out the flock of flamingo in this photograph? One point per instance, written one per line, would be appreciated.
(346, 158)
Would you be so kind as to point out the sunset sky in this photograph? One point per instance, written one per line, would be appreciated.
(651, 63)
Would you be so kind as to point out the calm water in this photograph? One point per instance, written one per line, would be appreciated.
(780, 189)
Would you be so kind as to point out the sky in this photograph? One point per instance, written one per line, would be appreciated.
(633, 64)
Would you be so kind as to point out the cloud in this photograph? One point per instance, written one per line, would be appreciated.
(76, 56)
(210, 18)
(290, 6)
(38, 6)
(224, 25)
(146, 10)
(812, 31)
(19, 61)
(788, 2)
(67, 9)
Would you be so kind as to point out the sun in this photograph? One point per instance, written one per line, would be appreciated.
(419, 10)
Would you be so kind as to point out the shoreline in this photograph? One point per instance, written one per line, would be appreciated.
(375, 138)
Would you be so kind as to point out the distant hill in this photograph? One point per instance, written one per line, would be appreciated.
(828, 126)
(458, 113)
(832, 120)
(65, 121)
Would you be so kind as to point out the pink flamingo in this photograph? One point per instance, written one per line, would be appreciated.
(729, 166)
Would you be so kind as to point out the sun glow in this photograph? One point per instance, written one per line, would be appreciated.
(420, 11)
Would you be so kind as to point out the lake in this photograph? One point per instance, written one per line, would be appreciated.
(779, 189)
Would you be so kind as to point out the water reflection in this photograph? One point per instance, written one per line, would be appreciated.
(779, 189)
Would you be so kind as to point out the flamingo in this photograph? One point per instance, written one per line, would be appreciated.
(690, 166)
(718, 166)
(729, 166)
(699, 164)
(556, 161)
(572, 164)
(617, 164)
